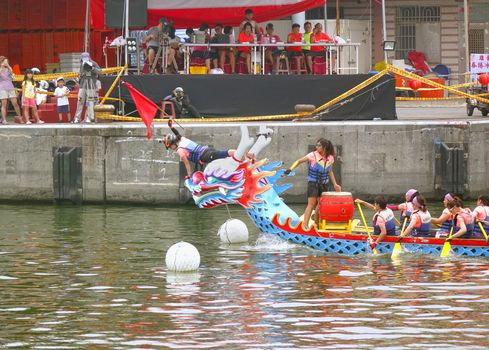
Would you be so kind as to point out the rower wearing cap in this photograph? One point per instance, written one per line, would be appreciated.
(406, 208)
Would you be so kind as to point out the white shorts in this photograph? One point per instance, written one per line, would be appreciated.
(4, 94)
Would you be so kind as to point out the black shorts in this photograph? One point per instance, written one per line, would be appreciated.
(315, 189)
(211, 154)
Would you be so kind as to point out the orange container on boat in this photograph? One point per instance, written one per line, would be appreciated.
(336, 207)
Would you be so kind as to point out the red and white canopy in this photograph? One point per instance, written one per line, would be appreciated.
(191, 13)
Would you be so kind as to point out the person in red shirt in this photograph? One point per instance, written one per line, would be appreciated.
(246, 37)
(318, 36)
(293, 38)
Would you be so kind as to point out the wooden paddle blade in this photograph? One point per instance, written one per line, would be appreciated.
(445, 251)
(397, 250)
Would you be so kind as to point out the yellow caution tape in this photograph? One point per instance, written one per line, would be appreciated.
(67, 75)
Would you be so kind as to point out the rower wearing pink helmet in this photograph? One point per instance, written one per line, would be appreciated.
(420, 221)
(446, 217)
(406, 208)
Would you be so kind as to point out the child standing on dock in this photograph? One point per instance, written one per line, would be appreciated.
(29, 97)
(63, 103)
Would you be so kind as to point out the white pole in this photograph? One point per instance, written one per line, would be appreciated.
(126, 30)
(466, 27)
(384, 27)
(299, 18)
(86, 43)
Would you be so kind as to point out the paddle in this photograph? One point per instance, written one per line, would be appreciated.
(482, 230)
(374, 250)
(397, 246)
(445, 251)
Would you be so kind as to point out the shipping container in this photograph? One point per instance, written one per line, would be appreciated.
(59, 13)
(48, 47)
(3, 14)
(4, 48)
(16, 16)
(15, 48)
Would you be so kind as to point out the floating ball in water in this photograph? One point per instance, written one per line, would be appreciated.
(182, 257)
(233, 231)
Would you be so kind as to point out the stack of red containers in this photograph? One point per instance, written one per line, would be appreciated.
(33, 32)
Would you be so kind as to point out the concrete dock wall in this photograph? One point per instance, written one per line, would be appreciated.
(120, 165)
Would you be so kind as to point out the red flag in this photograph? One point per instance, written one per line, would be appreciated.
(146, 108)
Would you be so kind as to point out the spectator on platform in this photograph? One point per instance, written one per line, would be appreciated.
(230, 51)
(246, 37)
(318, 36)
(191, 34)
(293, 38)
(157, 37)
(62, 102)
(202, 36)
(29, 97)
(306, 38)
(181, 102)
(41, 92)
(271, 52)
(249, 19)
(218, 54)
(89, 71)
(7, 89)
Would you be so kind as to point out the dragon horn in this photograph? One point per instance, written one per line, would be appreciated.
(244, 144)
(264, 139)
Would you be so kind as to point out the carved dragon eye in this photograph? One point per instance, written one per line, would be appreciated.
(198, 177)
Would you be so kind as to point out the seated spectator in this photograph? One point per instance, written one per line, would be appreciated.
(246, 37)
(219, 53)
(307, 49)
(230, 51)
(293, 38)
(191, 35)
(318, 36)
(156, 37)
(272, 52)
(182, 105)
(202, 36)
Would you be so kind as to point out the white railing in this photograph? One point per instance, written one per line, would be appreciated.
(258, 54)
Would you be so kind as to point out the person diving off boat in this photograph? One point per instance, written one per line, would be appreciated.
(190, 151)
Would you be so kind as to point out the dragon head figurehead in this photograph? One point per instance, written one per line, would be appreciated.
(216, 186)
(233, 180)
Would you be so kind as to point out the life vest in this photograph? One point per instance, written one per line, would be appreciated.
(477, 229)
(390, 222)
(468, 221)
(422, 229)
(319, 173)
(406, 212)
(194, 149)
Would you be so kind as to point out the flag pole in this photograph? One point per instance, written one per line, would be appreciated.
(86, 42)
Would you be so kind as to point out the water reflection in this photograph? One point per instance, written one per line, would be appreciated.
(94, 277)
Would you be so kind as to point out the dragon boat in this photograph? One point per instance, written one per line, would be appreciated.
(254, 186)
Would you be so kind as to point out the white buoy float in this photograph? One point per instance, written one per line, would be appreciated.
(182, 257)
(233, 231)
